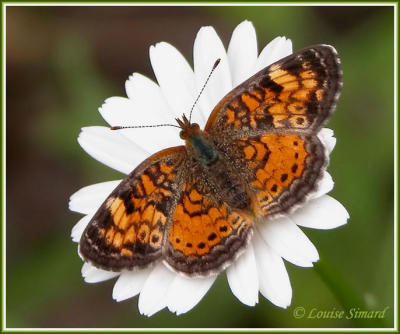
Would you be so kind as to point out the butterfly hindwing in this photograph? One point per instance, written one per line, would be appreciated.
(205, 234)
(281, 169)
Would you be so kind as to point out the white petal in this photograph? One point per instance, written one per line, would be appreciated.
(153, 111)
(278, 48)
(89, 198)
(175, 77)
(80, 226)
(148, 98)
(321, 213)
(79, 253)
(184, 293)
(111, 148)
(273, 278)
(94, 275)
(130, 283)
(207, 49)
(243, 278)
(242, 52)
(325, 185)
(288, 241)
(153, 296)
(327, 138)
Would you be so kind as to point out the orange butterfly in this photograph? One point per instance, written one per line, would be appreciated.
(195, 206)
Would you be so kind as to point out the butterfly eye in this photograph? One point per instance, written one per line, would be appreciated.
(195, 126)
(182, 134)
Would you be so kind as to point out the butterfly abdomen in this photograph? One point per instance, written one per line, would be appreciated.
(229, 186)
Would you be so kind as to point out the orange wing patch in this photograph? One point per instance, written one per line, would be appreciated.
(204, 234)
(128, 230)
(277, 160)
(279, 101)
(298, 93)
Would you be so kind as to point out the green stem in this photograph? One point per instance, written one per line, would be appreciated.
(344, 293)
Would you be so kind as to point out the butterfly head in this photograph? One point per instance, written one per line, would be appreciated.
(188, 129)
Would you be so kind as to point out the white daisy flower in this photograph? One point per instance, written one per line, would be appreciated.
(260, 268)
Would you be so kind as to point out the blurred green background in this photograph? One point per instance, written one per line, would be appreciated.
(62, 62)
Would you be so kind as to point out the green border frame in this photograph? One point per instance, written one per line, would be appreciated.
(324, 271)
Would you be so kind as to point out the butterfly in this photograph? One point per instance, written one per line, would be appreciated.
(194, 207)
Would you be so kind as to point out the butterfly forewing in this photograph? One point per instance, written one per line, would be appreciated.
(296, 93)
(128, 230)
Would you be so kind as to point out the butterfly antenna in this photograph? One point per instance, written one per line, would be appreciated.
(191, 110)
(204, 86)
(141, 126)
